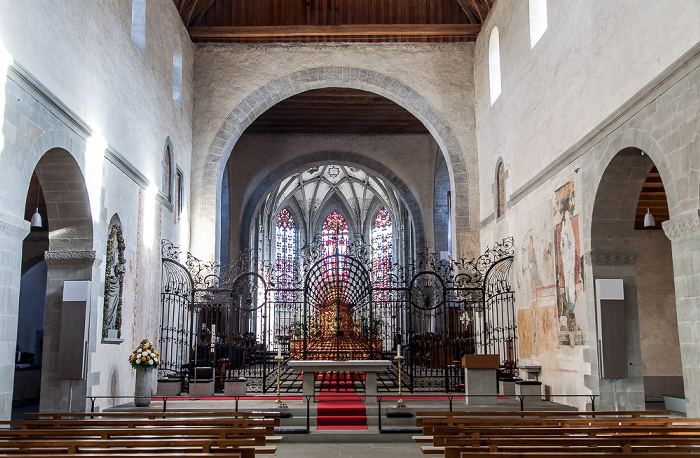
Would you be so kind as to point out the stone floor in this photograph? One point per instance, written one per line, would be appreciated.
(349, 450)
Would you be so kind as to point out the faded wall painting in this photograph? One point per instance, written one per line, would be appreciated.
(568, 265)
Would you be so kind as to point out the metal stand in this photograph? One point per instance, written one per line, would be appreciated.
(280, 404)
(400, 402)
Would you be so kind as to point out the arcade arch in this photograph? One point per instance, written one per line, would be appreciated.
(209, 218)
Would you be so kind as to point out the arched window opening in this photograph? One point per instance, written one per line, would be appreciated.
(500, 192)
(285, 249)
(335, 235)
(138, 24)
(382, 249)
(494, 66)
(177, 79)
(167, 161)
(538, 20)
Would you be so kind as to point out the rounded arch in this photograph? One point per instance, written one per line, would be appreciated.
(255, 199)
(291, 84)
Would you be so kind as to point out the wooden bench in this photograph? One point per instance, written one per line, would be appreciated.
(267, 423)
(150, 415)
(139, 445)
(41, 454)
(420, 416)
(257, 434)
(455, 445)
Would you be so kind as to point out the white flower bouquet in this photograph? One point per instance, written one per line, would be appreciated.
(145, 356)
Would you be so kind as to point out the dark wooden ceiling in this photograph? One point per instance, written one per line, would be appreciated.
(313, 21)
(337, 111)
(653, 197)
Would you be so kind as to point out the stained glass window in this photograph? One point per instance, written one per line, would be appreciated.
(285, 248)
(335, 235)
(382, 248)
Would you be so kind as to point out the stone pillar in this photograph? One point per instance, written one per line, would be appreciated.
(12, 233)
(623, 393)
(62, 266)
(684, 233)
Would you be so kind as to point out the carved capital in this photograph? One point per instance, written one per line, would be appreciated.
(14, 227)
(682, 226)
(611, 258)
(72, 258)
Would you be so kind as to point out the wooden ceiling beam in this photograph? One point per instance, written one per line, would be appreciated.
(199, 10)
(336, 30)
(475, 5)
(465, 7)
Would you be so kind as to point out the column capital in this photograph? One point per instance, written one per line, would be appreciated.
(682, 226)
(72, 258)
(14, 227)
(610, 258)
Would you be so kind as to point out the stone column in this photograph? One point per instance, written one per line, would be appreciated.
(684, 233)
(12, 232)
(62, 266)
(627, 393)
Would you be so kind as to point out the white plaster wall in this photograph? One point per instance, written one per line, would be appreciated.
(225, 75)
(80, 55)
(593, 57)
(82, 52)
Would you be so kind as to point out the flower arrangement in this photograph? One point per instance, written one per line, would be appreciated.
(145, 356)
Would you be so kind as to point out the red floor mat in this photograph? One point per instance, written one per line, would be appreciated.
(341, 412)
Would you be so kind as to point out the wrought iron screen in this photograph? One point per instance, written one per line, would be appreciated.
(336, 307)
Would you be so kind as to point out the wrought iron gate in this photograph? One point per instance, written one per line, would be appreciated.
(336, 307)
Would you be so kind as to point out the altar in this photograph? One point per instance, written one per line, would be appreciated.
(369, 367)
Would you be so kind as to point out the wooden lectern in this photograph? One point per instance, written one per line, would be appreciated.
(480, 379)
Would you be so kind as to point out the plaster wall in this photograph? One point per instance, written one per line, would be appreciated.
(259, 161)
(593, 57)
(83, 53)
(226, 75)
(77, 82)
(568, 107)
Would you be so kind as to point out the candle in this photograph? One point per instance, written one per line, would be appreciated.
(398, 350)
(279, 351)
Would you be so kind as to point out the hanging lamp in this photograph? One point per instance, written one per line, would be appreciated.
(648, 218)
(36, 217)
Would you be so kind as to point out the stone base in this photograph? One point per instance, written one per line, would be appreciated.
(202, 389)
(236, 387)
(480, 387)
(506, 387)
(528, 388)
(169, 387)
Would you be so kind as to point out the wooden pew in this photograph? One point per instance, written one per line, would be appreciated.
(140, 445)
(257, 434)
(268, 424)
(420, 416)
(39, 454)
(455, 445)
(150, 415)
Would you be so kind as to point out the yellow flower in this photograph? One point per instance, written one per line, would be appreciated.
(143, 359)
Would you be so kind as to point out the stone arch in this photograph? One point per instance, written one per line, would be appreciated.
(291, 84)
(612, 182)
(254, 200)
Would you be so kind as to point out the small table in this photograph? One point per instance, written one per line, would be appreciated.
(369, 367)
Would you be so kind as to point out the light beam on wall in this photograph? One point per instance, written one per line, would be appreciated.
(94, 162)
(5, 61)
(184, 234)
(149, 214)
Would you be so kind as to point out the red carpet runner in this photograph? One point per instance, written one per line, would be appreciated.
(341, 409)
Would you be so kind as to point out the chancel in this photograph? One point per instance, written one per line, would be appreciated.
(372, 208)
